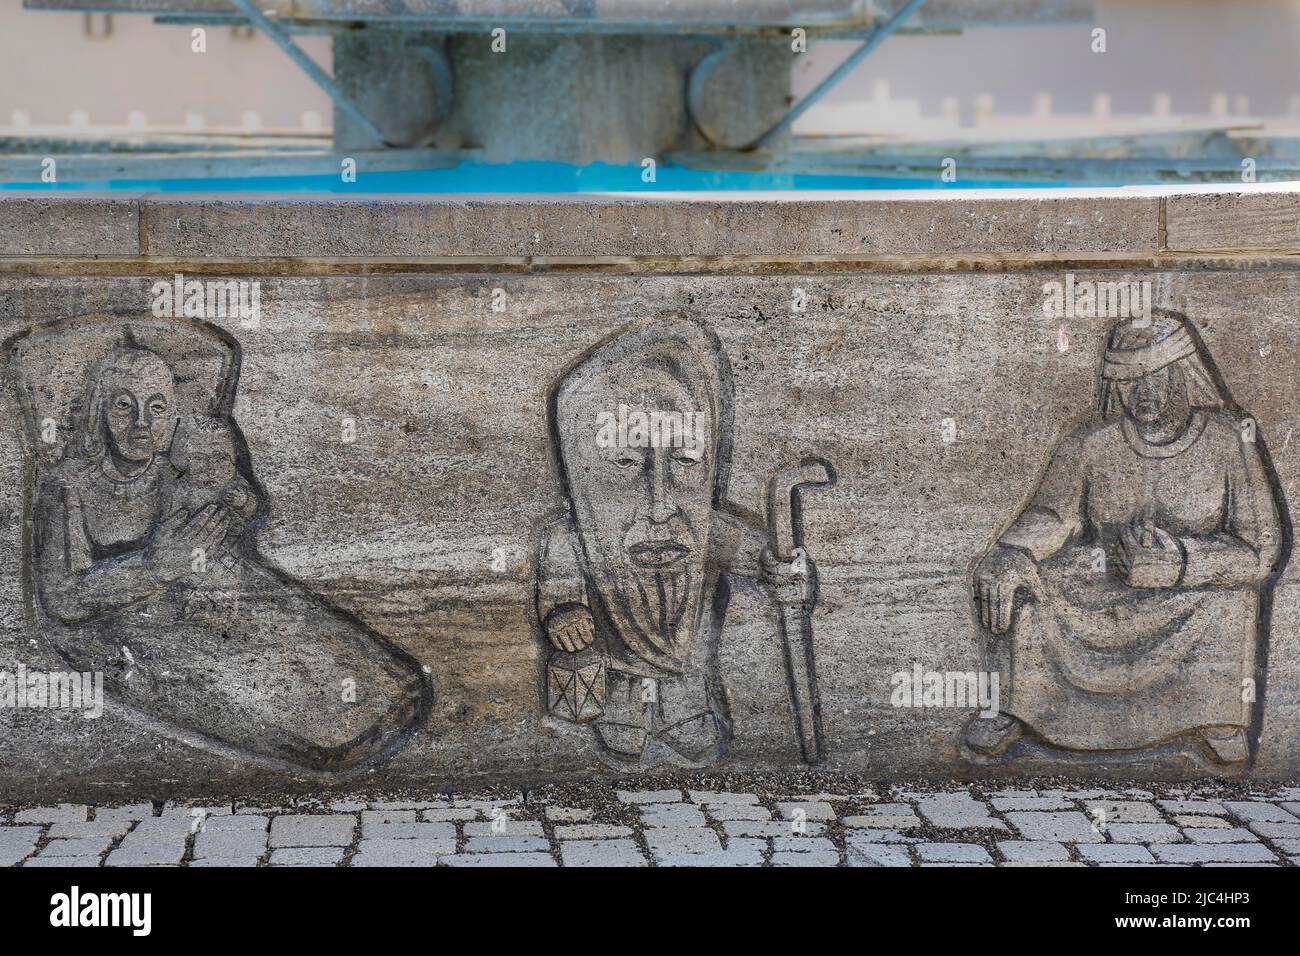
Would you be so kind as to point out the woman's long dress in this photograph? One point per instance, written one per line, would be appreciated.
(1094, 664)
(238, 653)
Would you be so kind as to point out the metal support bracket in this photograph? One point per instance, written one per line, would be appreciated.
(305, 63)
(877, 37)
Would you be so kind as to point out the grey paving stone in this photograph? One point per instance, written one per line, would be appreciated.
(499, 859)
(738, 811)
(504, 827)
(952, 853)
(1003, 804)
(711, 797)
(816, 858)
(239, 823)
(880, 836)
(885, 816)
(665, 840)
(159, 830)
(300, 830)
(1288, 846)
(1214, 853)
(1219, 835)
(307, 856)
(649, 796)
(1207, 807)
(568, 814)
(1195, 821)
(217, 844)
(146, 854)
(134, 811)
(861, 853)
(1066, 827)
(188, 812)
(63, 813)
(407, 804)
(506, 844)
(1116, 853)
(802, 845)
(602, 853)
(1253, 811)
(94, 828)
(672, 815)
(389, 816)
(445, 832)
(16, 843)
(406, 852)
(1032, 851)
(85, 846)
(957, 811)
(1047, 863)
(448, 814)
(816, 811)
(771, 828)
(1278, 831)
(1143, 833)
(62, 861)
(730, 857)
(591, 831)
(1122, 811)
(226, 862)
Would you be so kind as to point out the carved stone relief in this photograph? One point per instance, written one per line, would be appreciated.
(142, 561)
(1127, 604)
(633, 576)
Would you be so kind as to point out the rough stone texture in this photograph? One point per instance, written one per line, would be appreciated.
(423, 528)
(1265, 218)
(602, 227)
(1032, 851)
(601, 853)
(1067, 827)
(98, 226)
(308, 831)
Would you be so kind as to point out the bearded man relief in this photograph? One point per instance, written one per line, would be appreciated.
(1126, 605)
(633, 579)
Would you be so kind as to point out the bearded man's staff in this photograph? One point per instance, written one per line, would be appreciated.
(785, 522)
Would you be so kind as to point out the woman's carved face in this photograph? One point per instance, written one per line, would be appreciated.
(138, 410)
(1157, 396)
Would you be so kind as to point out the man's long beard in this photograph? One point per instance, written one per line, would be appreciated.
(658, 599)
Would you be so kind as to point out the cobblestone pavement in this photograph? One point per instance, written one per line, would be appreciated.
(597, 825)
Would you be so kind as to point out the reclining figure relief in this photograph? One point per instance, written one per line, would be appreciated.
(143, 562)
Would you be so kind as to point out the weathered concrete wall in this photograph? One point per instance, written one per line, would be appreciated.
(922, 366)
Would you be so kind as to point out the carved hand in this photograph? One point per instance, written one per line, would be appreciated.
(795, 581)
(570, 627)
(999, 575)
(171, 551)
(1149, 556)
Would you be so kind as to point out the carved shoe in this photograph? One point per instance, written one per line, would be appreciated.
(1228, 746)
(993, 735)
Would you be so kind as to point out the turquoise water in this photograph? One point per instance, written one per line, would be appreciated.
(527, 177)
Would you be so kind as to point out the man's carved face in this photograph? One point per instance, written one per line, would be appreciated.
(1157, 396)
(644, 508)
(139, 403)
